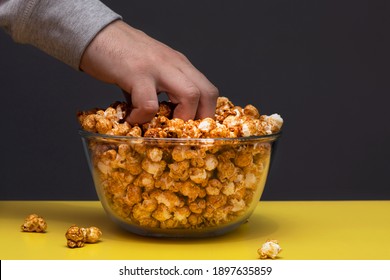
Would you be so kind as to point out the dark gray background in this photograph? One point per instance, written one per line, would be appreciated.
(323, 65)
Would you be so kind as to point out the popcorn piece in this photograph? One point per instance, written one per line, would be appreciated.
(191, 129)
(76, 237)
(153, 168)
(271, 124)
(197, 162)
(173, 132)
(124, 150)
(88, 122)
(150, 223)
(91, 234)
(191, 190)
(135, 132)
(221, 131)
(198, 175)
(115, 112)
(228, 188)
(168, 198)
(154, 154)
(277, 122)
(211, 162)
(224, 106)
(243, 158)
(143, 211)
(133, 195)
(251, 111)
(198, 206)
(220, 215)
(120, 129)
(180, 153)
(162, 213)
(213, 187)
(170, 223)
(145, 180)
(195, 220)
(270, 249)
(179, 171)
(238, 205)
(206, 125)
(157, 132)
(216, 201)
(250, 128)
(166, 182)
(103, 125)
(165, 109)
(176, 123)
(34, 223)
(226, 170)
(181, 214)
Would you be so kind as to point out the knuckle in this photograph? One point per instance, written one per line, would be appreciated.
(213, 92)
(192, 93)
(182, 56)
(149, 108)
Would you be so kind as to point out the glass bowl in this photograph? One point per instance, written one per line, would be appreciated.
(178, 187)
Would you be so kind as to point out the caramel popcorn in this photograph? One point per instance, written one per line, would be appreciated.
(230, 121)
(34, 223)
(77, 236)
(186, 185)
(270, 249)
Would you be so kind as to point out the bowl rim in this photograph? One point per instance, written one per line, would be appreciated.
(260, 138)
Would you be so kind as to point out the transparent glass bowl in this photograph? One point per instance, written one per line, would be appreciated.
(178, 187)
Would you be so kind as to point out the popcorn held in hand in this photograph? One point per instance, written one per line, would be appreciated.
(76, 236)
(269, 249)
(34, 223)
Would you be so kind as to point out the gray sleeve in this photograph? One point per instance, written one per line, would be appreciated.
(61, 28)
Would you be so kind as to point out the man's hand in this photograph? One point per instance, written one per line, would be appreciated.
(144, 67)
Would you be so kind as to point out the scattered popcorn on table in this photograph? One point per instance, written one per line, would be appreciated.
(34, 223)
(180, 186)
(76, 236)
(269, 249)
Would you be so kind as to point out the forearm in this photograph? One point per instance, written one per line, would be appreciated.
(62, 29)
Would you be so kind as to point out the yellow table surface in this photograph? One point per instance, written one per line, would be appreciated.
(306, 230)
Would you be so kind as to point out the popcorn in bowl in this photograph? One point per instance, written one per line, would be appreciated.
(178, 178)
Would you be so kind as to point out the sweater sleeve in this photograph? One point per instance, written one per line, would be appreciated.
(62, 29)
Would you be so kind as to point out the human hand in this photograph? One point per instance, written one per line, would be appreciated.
(144, 67)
